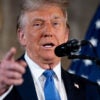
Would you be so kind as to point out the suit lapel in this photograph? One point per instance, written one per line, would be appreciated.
(27, 89)
(74, 88)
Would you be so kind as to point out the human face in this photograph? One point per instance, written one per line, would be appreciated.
(44, 30)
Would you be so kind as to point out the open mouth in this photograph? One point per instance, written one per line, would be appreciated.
(48, 45)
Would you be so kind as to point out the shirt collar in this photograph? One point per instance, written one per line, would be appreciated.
(57, 70)
(39, 71)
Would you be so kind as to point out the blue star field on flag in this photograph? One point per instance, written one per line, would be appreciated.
(87, 68)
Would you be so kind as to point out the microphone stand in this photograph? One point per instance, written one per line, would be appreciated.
(94, 59)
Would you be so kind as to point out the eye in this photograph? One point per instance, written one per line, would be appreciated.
(37, 24)
(55, 24)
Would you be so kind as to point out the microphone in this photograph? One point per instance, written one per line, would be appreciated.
(69, 47)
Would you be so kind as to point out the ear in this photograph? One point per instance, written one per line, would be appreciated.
(67, 34)
(21, 36)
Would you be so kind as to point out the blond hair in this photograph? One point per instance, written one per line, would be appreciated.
(30, 5)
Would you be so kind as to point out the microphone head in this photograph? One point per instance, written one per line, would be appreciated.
(60, 50)
(67, 48)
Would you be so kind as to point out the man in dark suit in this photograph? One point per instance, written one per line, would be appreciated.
(42, 25)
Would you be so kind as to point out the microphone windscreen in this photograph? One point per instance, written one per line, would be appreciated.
(61, 51)
(67, 48)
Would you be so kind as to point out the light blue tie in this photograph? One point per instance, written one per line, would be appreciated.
(50, 90)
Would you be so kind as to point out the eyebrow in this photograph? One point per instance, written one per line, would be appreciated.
(40, 18)
(37, 19)
(57, 17)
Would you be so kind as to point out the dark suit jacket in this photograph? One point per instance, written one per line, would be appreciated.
(77, 88)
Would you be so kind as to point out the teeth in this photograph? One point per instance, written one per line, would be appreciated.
(48, 46)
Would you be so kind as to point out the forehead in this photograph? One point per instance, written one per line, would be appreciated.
(46, 12)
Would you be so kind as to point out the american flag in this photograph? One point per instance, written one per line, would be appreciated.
(87, 68)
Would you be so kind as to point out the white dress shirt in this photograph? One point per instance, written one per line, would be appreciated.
(39, 79)
(6, 93)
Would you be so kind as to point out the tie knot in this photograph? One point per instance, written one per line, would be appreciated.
(48, 73)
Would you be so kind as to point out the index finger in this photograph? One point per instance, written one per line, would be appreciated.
(10, 54)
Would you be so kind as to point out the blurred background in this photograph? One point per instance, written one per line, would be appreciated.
(80, 14)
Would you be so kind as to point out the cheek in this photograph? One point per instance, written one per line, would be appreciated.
(31, 37)
(62, 34)
(62, 38)
(31, 47)
(32, 42)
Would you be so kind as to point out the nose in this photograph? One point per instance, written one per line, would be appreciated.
(47, 35)
(48, 30)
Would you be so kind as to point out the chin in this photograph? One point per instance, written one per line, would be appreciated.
(48, 57)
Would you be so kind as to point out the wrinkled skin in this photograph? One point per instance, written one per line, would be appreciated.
(44, 29)
(42, 33)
